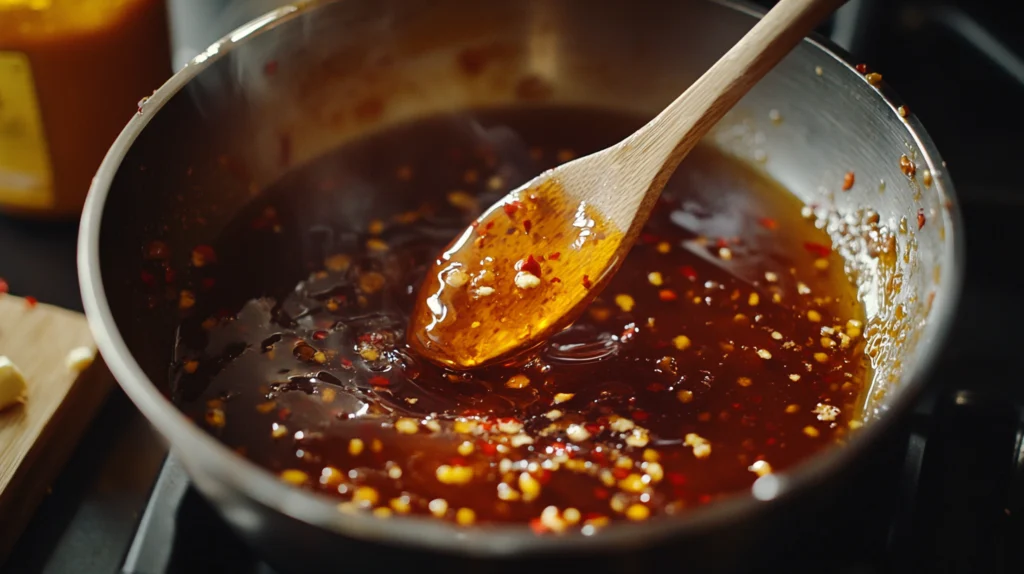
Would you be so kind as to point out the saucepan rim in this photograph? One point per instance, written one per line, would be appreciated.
(239, 475)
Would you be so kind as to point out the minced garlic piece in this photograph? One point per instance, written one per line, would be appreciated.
(551, 520)
(465, 516)
(529, 486)
(407, 425)
(571, 515)
(655, 278)
(681, 342)
(760, 468)
(355, 446)
(366, 495)
(79, 359)
(438, 507)
(510, 426)
(454, 474)
(638, 512)
(638, 438)
(507, 493)
(633, 483)
(562, 397)
(456, 278)
(655, 471)
(13, 388)
(401, 505)
(621, 424)
(526, 280)
(827, 413)
(577, 433)
(518, 381)
(701, 447)
(296, 477)
(625, 302)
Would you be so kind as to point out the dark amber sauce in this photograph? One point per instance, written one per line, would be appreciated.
(728, 346)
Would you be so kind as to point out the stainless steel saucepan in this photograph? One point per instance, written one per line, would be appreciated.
(325, 72)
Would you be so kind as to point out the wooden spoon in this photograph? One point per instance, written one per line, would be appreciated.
(530, 265)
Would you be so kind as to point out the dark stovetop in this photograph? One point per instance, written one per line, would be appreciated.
(958, 483)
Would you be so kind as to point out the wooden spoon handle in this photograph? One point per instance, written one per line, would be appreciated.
(657, 148)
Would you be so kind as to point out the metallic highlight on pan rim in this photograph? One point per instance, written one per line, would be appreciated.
(237, 473)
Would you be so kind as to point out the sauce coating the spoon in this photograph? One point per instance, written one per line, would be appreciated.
(517, 269)
(726, 348)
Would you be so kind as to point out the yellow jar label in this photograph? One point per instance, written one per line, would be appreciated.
(26, 178)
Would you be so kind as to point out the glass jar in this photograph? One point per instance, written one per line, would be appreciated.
(71, 75)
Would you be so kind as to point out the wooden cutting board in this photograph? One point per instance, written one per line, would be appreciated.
(36, 438)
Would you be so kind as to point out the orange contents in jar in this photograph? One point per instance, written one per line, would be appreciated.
(71, 73)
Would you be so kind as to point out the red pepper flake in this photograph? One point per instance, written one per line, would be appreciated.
(270, 68)
(601, 493)
(554, 256)
(818, 249)
(380, 381)
(203, 255)
(620, 473)
(511, 208)
(586, 282)
(537, 526)
(544, 476)
(556, 280)
(319, 335)
(704, 498)
(489, 449)
(209, 282)
(648, 238)
(771, 441)
(920, 219)
(593, 428)
(31, 301)
(284, 413)
(688, 272)
(721, 242)
(667, 295)
(848, 181)
(656, 387)
(147, 278)
(768, 223)
(346, 363)
(489, 226)
(4, 287)
(169, 275)
(861, 68)
(640, 416)
(527, 225)
(529, 265)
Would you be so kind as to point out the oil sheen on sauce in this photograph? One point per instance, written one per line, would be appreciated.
(727, 347)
